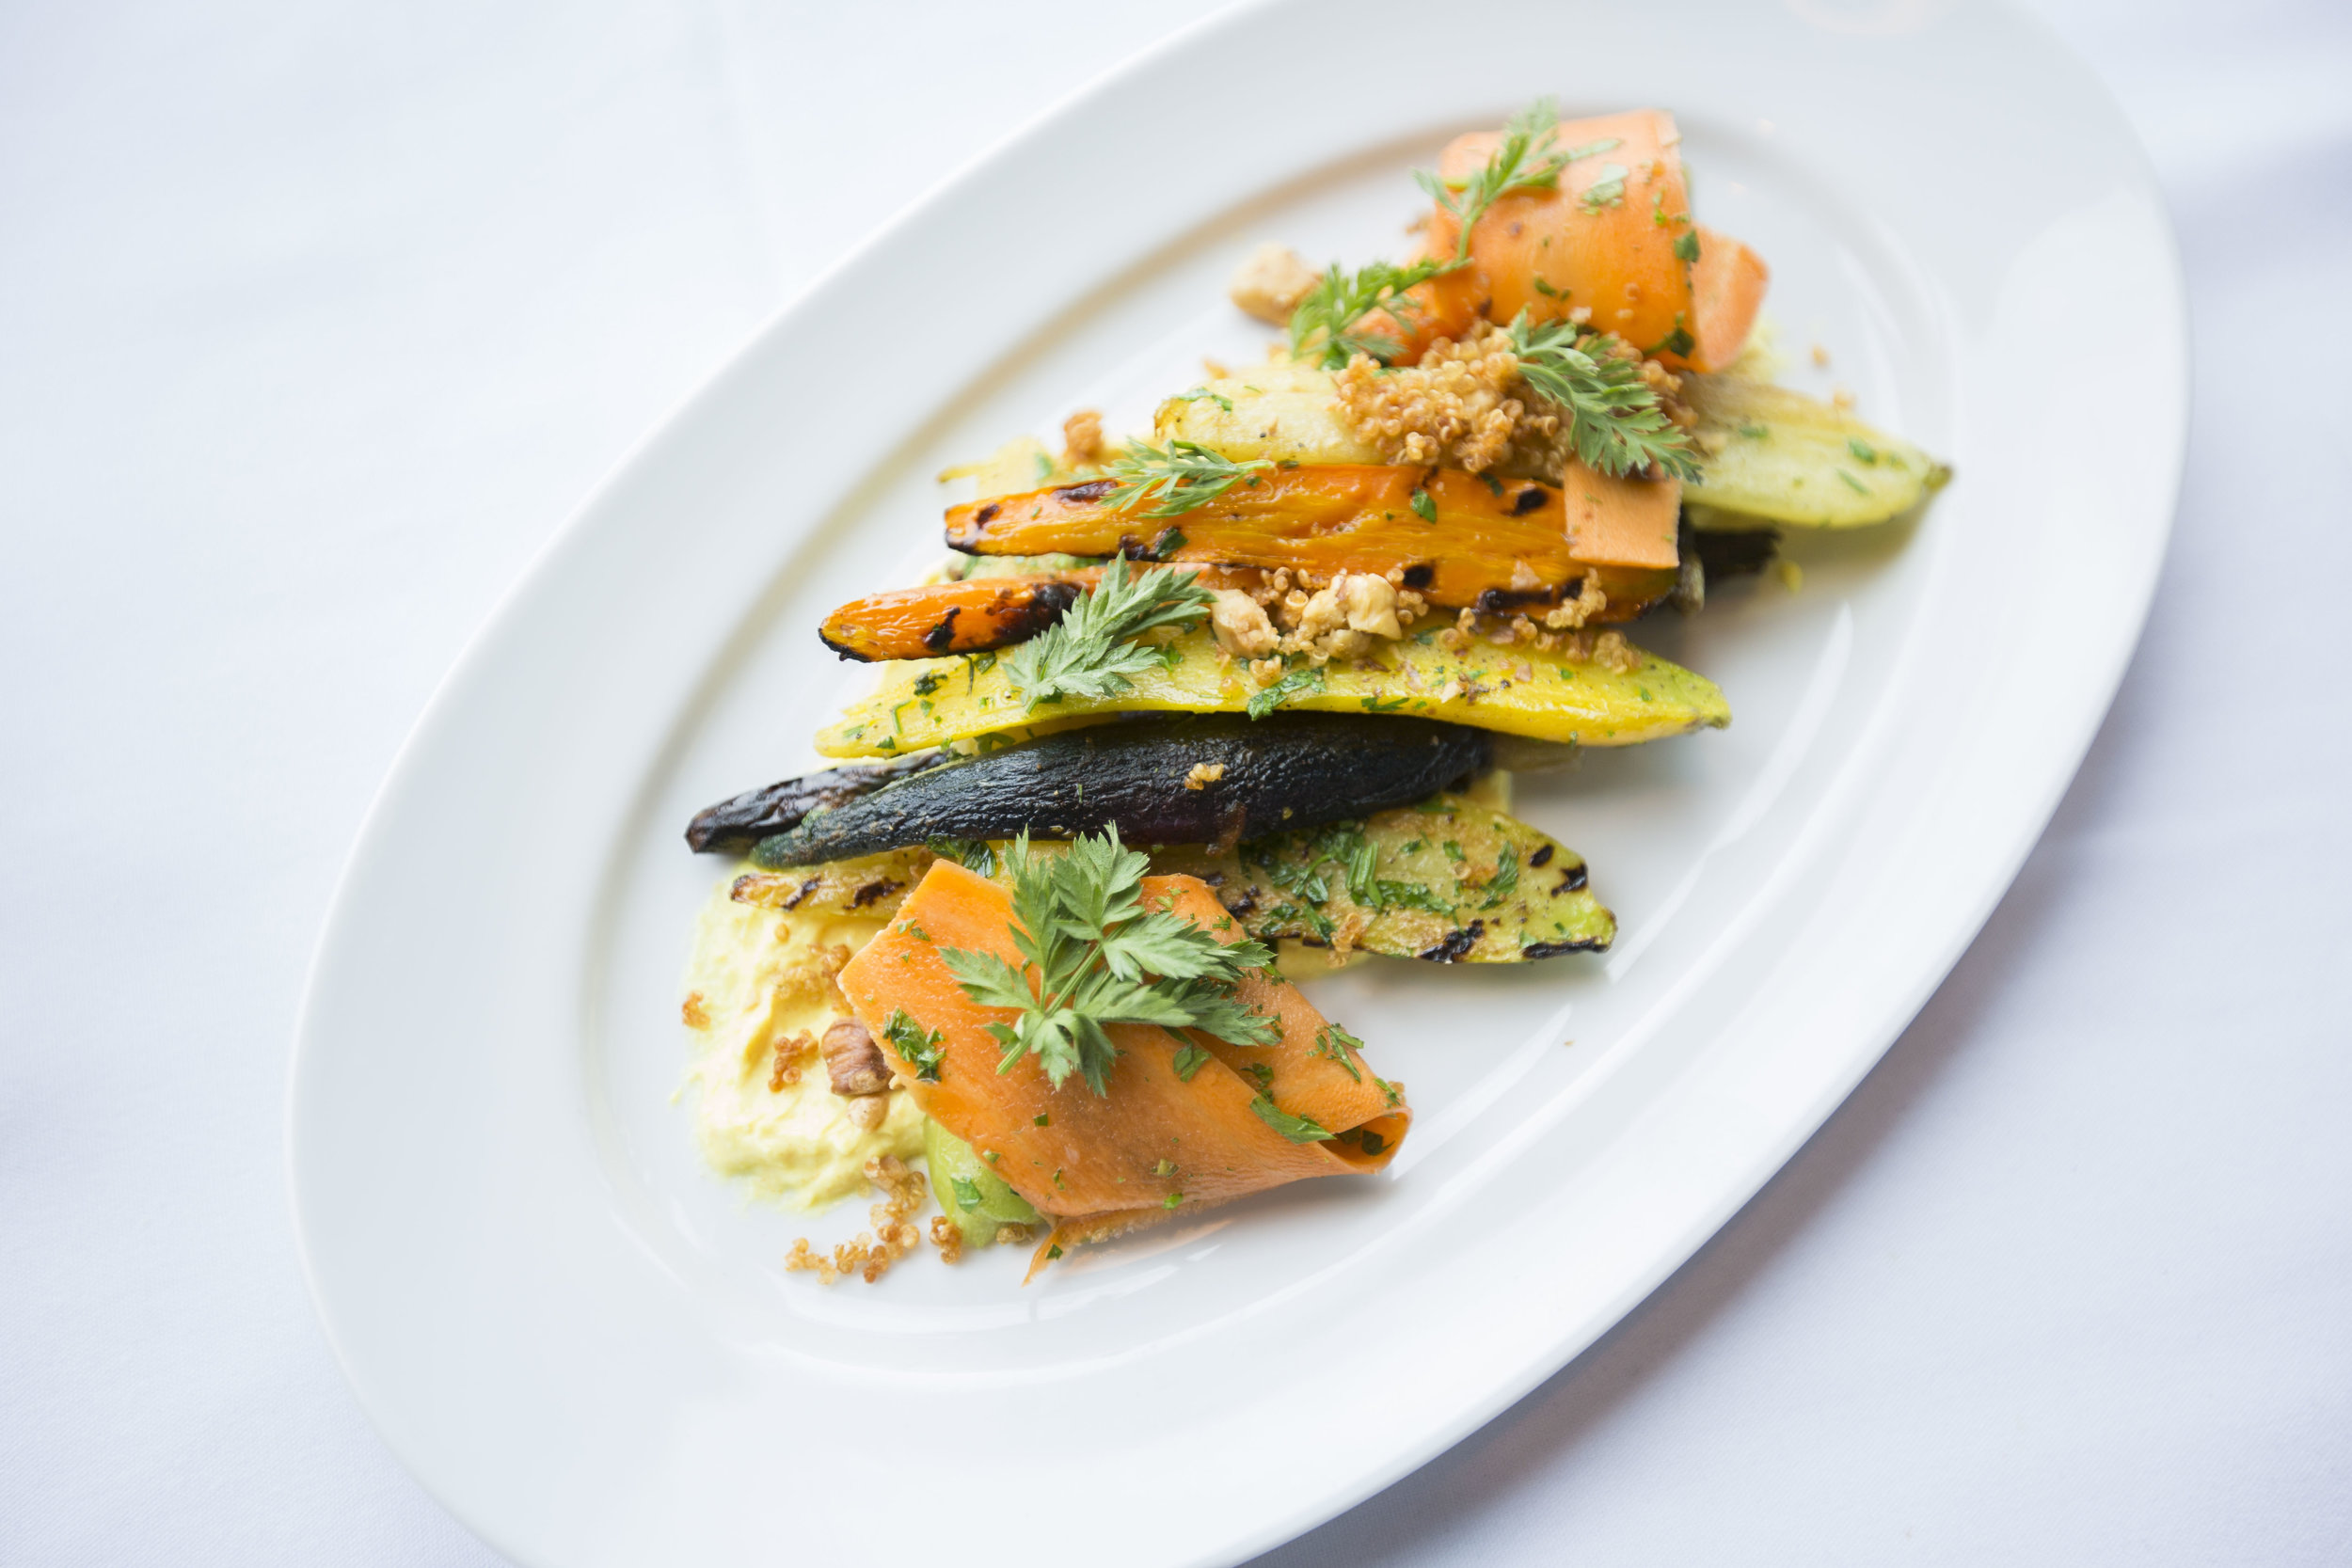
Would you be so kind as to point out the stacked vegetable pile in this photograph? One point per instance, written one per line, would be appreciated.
(1287, 646)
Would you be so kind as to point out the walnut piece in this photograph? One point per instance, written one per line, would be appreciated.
(1271, 284)
(1240, 625)
(1082, 438)
(853, 1061)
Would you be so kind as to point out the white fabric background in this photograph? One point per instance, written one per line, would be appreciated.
(317, 318)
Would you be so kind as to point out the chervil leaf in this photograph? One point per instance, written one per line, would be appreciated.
(1092, 651)
(1094, 958)
(988, 979)
(1215, 1011)
(1168, 946)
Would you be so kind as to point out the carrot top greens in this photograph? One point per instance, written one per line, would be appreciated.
(1096, 957)
(1091, 650)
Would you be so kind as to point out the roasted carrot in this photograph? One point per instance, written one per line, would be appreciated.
(967, 618)
(1613, 239)
(1726, 290)
(949, 617)
(1453, 537)
(1156, 1142)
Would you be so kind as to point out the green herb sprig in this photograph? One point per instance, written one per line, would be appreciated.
(1614, 417)
(1092, 651)
(1526, 160)
(924, 1048)
(1095, 956)
(1175, 478)
(1324, 325)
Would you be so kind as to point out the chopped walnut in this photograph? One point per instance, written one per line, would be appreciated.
(1204, 775)
(853, 1061)
(1370, 603)
(1082, 438)
(1340, 619)
(948, 1238)
(868, 1112)
(1271, 282)
(1240, 625)
(693, 1011)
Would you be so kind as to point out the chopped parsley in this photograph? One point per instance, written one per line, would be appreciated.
(1189, 1060)
(1687, 244)
(1294, 684)
(1424, 506)
(1607, 191)
(1340, 1046)
(1298, 1130)
(967, 1192)
(926, 1050)
(1198, 392)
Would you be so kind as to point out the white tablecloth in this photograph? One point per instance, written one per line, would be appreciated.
(317, 318)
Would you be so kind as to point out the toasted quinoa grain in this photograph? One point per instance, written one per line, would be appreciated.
(1453, 409)
(871, 1254)
(791, 1058)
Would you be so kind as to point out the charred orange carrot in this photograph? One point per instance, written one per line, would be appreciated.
(1159, 1140)
(1456, 539)
(950, 617)
(975, 615)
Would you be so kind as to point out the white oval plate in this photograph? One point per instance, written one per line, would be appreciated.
(587, 1348)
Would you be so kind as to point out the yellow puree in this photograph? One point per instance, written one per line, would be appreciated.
(755, 978)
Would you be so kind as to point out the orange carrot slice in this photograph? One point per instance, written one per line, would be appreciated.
(1727, 284)
(1158, 1142)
